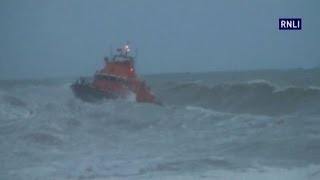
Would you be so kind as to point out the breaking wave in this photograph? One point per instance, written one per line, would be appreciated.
(253, 97)
(257, 97)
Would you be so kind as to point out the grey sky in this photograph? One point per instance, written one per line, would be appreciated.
(45, 38)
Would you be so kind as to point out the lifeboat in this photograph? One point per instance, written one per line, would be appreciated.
(117, 79)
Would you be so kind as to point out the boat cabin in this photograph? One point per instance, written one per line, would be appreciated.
(120, 65)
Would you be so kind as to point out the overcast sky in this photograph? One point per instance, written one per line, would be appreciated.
(56, 38)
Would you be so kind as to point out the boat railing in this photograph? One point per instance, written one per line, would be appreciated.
(112, 77)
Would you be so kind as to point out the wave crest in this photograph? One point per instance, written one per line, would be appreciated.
(258, 97)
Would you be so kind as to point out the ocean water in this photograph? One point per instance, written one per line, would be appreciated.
(224, 125)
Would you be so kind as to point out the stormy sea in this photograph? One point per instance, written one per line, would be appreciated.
(245, 125)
